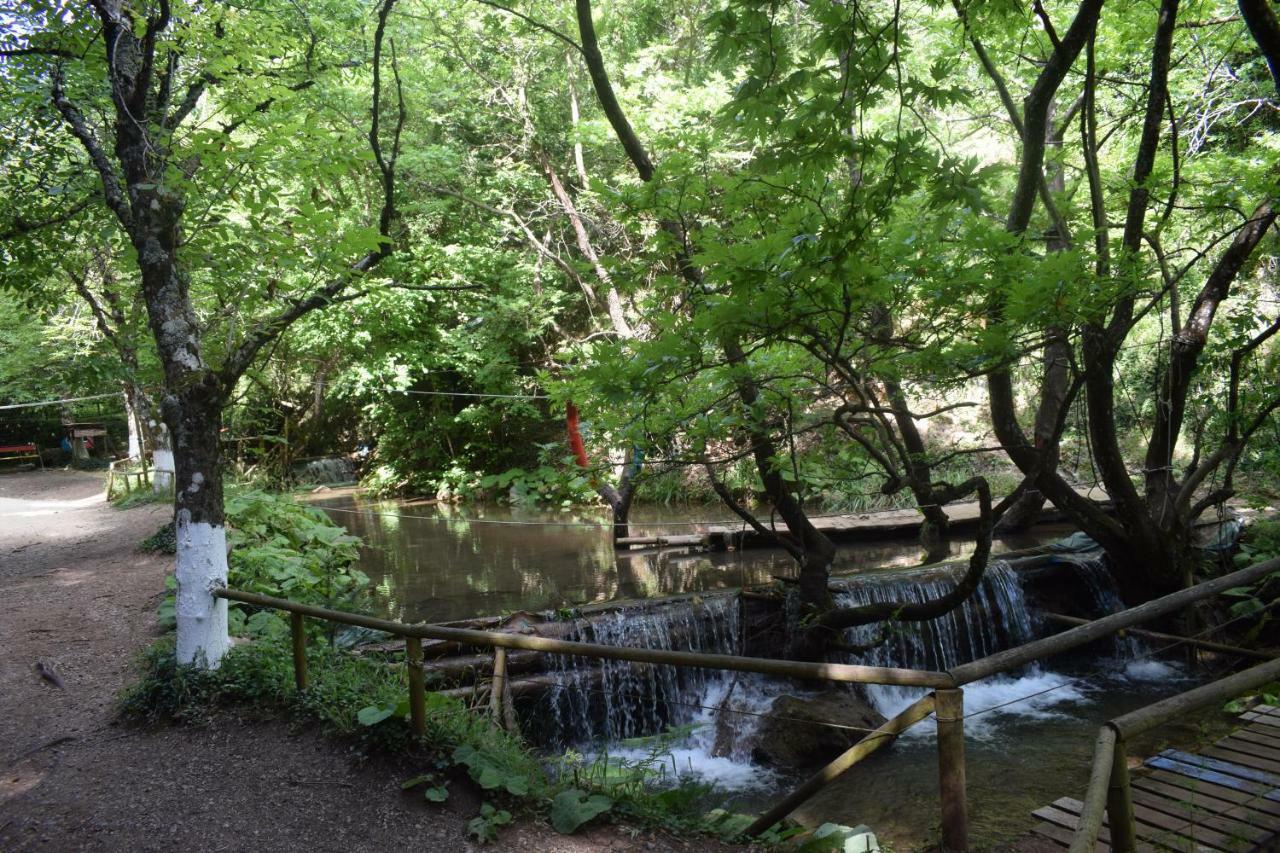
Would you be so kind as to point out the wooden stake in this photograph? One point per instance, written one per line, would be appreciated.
(499, 686)
(500, 703)
(1085, 839)
(299, 636)
(417, 687)
(1120, 803)
(951, 782)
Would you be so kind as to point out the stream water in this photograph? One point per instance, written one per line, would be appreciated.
(1029, 734)
(440, 562)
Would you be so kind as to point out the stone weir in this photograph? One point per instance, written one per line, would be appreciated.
(567, 701)
(850, 527)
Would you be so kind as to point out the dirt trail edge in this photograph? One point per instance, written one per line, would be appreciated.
(77, 599)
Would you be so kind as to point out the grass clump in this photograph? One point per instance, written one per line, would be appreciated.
(163, 541)
(141, 497)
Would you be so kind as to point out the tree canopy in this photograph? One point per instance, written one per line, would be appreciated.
(822, 254)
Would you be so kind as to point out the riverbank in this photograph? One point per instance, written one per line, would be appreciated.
(78, 599)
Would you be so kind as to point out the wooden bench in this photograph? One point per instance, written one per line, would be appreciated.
(20, 451)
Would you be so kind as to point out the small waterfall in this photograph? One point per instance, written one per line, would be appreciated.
(616, 700)
(334, 469)
(1095, 574)
(994, 618)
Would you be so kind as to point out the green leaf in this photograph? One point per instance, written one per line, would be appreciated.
(416, 781)
(436, 794)
(371, 715)
(572, 808)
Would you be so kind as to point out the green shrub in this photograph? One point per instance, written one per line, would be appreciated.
(163, 541)
(283, 549)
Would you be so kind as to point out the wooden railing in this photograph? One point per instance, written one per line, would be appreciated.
(1109, 791)
(946, 700)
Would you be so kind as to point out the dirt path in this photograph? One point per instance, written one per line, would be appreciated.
(76, 596)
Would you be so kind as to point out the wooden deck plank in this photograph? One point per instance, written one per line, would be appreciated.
(1162, 829)
(1261, 812)
(1253, 735)
(1244, 759)
(1261, 719)
(1232, 826)
(1228, 768)
(1058, 835)
(1248, 742)
(1068, 822)
(1203, 774)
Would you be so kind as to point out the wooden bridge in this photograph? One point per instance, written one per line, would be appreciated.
(1225, 797)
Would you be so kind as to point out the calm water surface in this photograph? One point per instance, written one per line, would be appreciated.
(440, 562)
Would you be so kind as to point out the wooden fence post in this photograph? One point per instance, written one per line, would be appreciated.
(417, 687)
(949, 707)
(1120, 802)
(500, 704)
(299, 636)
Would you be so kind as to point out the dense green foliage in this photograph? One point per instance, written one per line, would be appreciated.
(280, 548)
(841, 254)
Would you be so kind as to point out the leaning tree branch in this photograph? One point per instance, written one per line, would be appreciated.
(22, 227)
(60, 52)
(590, 49)
(1189, 342)
(1263, 25)
(722, 491)
(271, 328)
(534, 22)
(835, 621)
(112, 193)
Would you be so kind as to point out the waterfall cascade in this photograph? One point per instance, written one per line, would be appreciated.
(996, 617)
(614, 701)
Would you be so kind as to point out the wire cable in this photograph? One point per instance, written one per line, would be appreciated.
(10, 406)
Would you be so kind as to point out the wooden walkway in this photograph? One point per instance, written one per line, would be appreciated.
(1226, 797)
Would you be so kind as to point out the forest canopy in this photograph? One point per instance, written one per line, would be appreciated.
(793, 256)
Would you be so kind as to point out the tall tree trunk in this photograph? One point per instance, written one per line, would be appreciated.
(142, 419)
(1055, 377)
(192, 410)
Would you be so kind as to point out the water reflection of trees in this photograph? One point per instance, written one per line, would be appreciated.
(444, 562)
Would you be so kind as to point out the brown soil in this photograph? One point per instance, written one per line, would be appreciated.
(77, 597)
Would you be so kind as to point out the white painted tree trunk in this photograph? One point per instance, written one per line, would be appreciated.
(162, 459)
(135, 434)
(202, 567)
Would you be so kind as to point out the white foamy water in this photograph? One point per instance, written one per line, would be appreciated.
(1153, 670)
(696, 762)
(993, 702)
(733, 702)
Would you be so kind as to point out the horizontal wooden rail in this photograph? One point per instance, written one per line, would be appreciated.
(1109, 782)
(847, 673)
(1144, 719)
(1107, 625)
(1194, 642)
